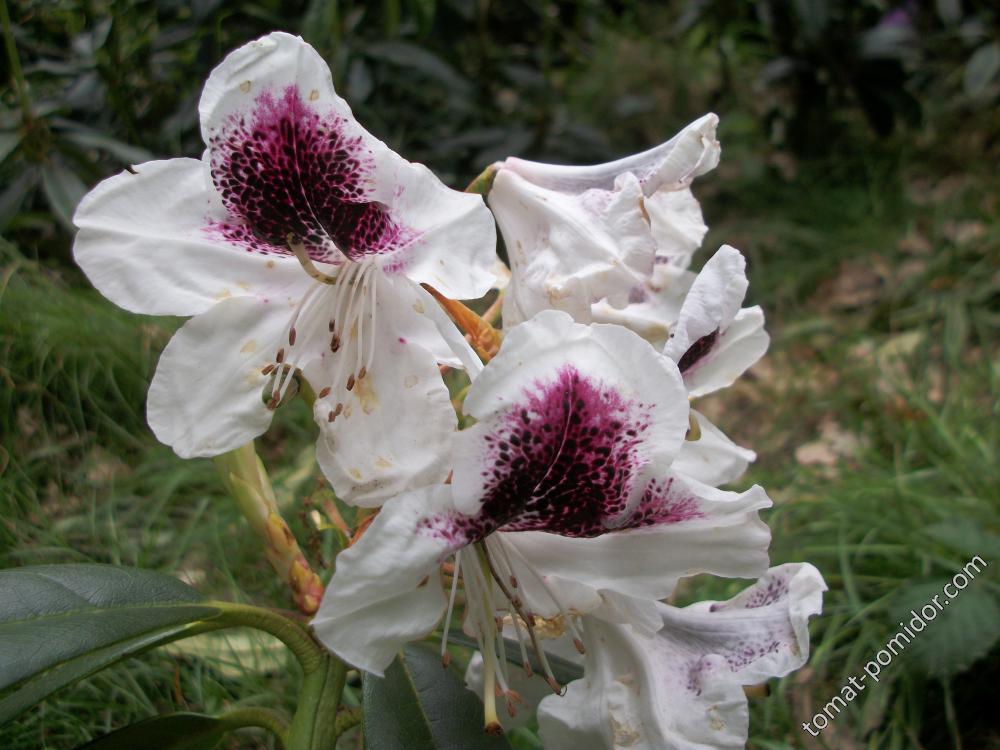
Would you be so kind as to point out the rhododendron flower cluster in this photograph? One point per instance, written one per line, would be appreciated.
(315, 262)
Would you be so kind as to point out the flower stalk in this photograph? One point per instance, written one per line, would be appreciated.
(248, 482)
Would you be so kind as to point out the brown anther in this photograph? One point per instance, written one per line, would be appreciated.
(332, 326)
(516, 601)
(340, 408)
(556, 687)
(513, 581)
(273, 403)
(291, 336)
(280, 356)
(494, 729)
(497, 691)
(511, 712)
(579, 645)
(527, 668)
(331, 416)
(324, 392)
(350, 382)
(361, 373)
(335, 343)
(445, 659)
(267, 370)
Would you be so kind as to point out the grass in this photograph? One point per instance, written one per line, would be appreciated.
(874, 415)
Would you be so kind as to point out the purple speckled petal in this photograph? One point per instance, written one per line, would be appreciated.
(569, 416)
(682, 687)
(287, 157)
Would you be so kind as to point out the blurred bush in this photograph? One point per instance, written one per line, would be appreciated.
(98, 85)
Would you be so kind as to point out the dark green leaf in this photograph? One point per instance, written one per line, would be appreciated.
(981, 70)
(959, 634)
(8, 142)
(419, 60)
(14, 194)
(966, 536)
(63, 189)
(419, 705)
(180, 731)
(85, 137)
(59, 623)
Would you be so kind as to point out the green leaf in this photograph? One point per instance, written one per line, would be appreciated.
(966, 536)
(180, 731)
(87, 138)
(8, 142)
(419, 705)
(959, 634)
(63, 189)
(60, 623)
(981, 70)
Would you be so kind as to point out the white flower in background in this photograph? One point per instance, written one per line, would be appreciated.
(298, 242)
(563, 500)
(576, 235)
(681, 688)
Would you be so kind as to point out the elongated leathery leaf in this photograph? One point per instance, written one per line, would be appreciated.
(419, 705)
(180, 731)
(59, 623)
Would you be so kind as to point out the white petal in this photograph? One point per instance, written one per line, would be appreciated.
(682, 688)
(568, 251)
(455, 249)
(738, 348)
(395, 426)
(143, 243)
(710, 306)
(270, 63)
(677, 224)
(701, 530)
(690, 153)
(713, 459)
(206, 395)
(652, 308)
(387, 588)
(563, 405)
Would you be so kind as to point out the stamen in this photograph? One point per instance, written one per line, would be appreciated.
(280, 356)
(268, 369)
(346, 312)
(371, 343)
(577, 637)
(291, 336)
(527, 616)
(324, 392)
(445, 656)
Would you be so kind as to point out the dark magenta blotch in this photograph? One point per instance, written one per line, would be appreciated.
(285, 169)
(565, 460)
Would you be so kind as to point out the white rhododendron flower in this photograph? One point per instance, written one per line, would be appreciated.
(576, 235)
(678, 687)
(563, 499)
(298, 242)
(681, 688)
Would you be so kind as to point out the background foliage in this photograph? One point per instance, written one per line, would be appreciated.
(859, 140)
